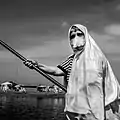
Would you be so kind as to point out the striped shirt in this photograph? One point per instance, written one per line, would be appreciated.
(66, 66)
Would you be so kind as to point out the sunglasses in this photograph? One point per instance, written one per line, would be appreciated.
(73, 35)
(75, 31)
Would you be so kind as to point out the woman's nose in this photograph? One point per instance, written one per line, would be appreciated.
(75, 43)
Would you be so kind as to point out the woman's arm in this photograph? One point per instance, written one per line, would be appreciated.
(51, 70)
(47, 69)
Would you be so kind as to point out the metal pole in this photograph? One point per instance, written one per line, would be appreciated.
(34, 67)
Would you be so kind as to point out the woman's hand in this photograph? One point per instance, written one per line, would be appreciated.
(30, 63)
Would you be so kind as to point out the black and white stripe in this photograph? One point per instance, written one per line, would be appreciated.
(66, 66)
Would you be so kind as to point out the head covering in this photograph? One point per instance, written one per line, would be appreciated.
(91, 80)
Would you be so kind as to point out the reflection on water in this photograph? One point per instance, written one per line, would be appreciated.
(24, 107)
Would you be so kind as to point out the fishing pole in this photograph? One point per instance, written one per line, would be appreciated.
(34, 67)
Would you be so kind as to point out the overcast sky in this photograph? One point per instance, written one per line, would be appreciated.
(38, 30)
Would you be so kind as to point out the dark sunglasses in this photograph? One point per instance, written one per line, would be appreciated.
(79, 34)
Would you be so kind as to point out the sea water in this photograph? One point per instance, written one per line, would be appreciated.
(29, 107)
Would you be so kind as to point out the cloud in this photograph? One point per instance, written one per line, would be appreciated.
(118, 7)
(108, 40)
(49, 49)
(65, 24)
(113, 29)
(103, 40)
(60, 48)
(114, 58)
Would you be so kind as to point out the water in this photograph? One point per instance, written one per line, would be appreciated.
(26, 107)
(34, 107)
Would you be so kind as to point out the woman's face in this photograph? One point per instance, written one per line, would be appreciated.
(77, 39)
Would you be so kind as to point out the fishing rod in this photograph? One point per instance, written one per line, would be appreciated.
(34, 67)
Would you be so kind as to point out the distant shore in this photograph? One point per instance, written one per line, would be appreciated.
(38, 94)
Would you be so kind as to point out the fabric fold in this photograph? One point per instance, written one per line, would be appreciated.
(85, 87)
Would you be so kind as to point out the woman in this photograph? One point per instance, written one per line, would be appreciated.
(91, 81)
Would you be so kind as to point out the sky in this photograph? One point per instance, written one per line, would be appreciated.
(38, 30)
